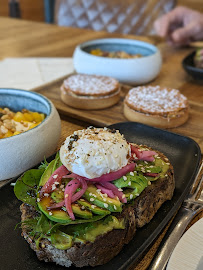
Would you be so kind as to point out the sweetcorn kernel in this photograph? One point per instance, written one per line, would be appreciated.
(8, 134)
(27, 120)
(37, 117)
(19, 117)
(16, 133)
(42, 116)
(33, 125)
(29, 117)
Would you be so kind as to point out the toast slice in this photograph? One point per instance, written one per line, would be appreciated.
(106, 246)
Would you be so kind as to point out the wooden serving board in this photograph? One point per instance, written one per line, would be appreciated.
(172, 75)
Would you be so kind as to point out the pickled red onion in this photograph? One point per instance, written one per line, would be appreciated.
(110, 189)
(79, 194)
(57, 205)
(55, 177)
(142, 154)
(69, 176)
(68, 194)
(110, 176)
(115, 190)
(106, 191)
(75, 196)
(151, 174)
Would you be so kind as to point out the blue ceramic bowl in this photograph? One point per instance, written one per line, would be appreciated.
(21, 152)
(131, 71)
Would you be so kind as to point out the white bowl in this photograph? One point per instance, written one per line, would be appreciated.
(130, 71)
(21, 152)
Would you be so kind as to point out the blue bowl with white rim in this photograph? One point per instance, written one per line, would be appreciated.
(133, 71)
(21, 152)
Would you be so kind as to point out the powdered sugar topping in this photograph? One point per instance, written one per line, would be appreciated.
(84, 84)
(154, 99)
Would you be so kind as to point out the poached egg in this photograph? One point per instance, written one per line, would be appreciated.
(93, 152)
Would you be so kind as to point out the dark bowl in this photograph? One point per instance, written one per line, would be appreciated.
(189, 66)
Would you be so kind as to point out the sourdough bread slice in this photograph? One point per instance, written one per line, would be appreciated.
(106, 246)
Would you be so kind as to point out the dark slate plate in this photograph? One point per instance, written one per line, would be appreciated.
(188, 65)
(183, 153)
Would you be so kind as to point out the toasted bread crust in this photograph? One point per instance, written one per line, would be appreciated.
(107, 246)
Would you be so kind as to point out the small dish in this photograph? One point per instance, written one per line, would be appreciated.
(134, 71)
(21, 152)
(188, 65)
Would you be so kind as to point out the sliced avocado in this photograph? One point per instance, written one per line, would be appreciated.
(60, 215)
(102, 228)
(57, 195)
(132, 181)
(50, 169)
(141, 180)
(57, 163)
(90, 231)
(139, 183)
(93, 196)
(82, 213)
(131, 194)
(159, 162)
(47, 173)
(160, 167)
(93, 208)
(121, 183)
(61, 240)
(57, 215)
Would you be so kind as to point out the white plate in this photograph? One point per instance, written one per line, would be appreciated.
(188, 254)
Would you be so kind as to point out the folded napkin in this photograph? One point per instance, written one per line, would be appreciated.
(31, 73)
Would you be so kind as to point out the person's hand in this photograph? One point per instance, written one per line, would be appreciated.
(180, 26)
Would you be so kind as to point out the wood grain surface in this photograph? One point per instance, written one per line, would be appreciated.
(28, 39)
(170, 76)
(20, 38)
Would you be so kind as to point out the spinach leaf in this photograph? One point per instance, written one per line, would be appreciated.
(25, 188)
(77, 221)
(79, 229)
(57, 162)
(44, 225)
(43, 164)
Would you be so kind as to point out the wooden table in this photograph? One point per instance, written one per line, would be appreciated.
(29, 39)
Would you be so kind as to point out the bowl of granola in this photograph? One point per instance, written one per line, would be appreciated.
(30, 128)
